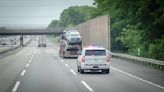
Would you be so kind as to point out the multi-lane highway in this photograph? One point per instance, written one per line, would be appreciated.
(33, 69)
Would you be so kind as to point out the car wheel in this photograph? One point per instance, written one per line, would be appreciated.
(81, 70)
(107, 71)
(78, 69)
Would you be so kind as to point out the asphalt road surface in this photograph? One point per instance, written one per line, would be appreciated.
(33, 69)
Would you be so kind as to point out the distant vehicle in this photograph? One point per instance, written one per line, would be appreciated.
(8, 41)
(94, 59)
(41, 42)
(74, 37)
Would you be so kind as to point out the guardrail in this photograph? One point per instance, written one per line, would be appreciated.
(145, 61)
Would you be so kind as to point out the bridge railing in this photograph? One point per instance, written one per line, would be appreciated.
(145, 61)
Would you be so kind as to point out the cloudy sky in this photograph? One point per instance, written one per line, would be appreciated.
(34, 12)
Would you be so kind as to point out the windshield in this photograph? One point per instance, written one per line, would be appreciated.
(95, 53)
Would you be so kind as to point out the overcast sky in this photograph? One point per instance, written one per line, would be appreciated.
(34, 12)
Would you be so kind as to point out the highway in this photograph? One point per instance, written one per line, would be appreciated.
(33, 69)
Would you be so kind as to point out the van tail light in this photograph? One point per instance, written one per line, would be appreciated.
(108, 58)
(83, 59)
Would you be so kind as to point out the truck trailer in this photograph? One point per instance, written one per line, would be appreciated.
(70, 44)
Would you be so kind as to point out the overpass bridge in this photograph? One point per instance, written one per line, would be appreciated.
(30, 31)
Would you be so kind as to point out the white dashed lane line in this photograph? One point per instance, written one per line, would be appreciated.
(66, 65)
(87, 86)
(27, 65)
(72, 71)
(30, 61)
(61, 60)
(135, 77)
(16, 86)
(23, 72)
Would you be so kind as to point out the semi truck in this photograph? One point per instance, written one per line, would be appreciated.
(70, 43)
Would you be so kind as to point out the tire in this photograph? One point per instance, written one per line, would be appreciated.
(78, 69)
(81, 70)
(107, 71)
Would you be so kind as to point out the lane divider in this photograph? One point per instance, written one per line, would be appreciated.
(16, 86)
(66, 65)
(135, 77)
(87, 86)
(61, 60)
(30, 61)
(72, 71)
(27, 65)
(23, 72)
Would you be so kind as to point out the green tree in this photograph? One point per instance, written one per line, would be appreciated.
(135, 23)
(54, 23)
(76, 15)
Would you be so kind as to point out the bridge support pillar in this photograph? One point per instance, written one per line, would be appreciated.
(21, 41)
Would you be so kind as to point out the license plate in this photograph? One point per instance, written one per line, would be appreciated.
(95, 66)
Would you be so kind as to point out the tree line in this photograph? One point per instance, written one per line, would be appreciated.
(137, 26)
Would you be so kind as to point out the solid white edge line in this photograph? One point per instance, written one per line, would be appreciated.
(73, 72)
(23, 72)
(151, 83)
(16, 86)
(27, 65)
(66, 65)
(87, 86)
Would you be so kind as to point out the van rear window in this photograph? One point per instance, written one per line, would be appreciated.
(95, 53)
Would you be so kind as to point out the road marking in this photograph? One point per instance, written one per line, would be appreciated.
(30, 61)
(23, 72)
(61, 60)
(27, 65)
(87, 86)
(66, 65)
(35, 51)
(72, 71)
(151, 83)
(32, 56)
(16, 86)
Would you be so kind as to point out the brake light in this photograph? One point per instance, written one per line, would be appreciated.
(83, 59)
(108, 59)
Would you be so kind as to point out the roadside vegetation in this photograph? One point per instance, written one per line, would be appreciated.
(137, 26)
(53, 38)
